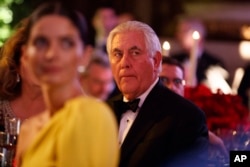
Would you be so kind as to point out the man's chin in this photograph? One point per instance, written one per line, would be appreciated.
(128, 91)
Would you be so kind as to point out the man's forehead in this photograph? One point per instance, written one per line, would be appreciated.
(128, 41)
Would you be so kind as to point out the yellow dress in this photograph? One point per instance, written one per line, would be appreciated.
(82, 134)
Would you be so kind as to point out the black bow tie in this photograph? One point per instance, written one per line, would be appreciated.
(122, 106)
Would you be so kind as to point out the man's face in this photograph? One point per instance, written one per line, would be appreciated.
(98, 82)
(133, 68)
(105, 20)
(184, 36)
(172, 77)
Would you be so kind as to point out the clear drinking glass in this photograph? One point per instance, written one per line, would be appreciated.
(13, 126)
(8, 141)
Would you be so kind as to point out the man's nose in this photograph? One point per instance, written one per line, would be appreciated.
(125, 61)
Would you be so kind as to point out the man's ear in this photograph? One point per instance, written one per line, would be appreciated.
(157, 61)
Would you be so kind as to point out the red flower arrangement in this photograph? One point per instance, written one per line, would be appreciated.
(221, 110)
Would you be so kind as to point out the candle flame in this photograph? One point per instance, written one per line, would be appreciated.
(244, 49)
(166, 45)
(196, 35)
(245, 32)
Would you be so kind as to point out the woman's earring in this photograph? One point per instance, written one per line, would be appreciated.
(81, 69)
(18, 79)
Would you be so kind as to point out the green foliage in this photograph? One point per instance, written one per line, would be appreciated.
(11, 12)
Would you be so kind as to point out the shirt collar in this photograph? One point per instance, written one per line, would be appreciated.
(143, 96)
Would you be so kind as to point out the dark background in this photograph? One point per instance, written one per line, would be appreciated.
(223, 27)
(160, 14)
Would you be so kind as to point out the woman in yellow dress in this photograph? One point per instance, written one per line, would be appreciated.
(75, 130)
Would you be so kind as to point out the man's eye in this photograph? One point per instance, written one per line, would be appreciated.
(117, 54)
(135, 52)
(164, 79)
(178, 82)
(40, 42)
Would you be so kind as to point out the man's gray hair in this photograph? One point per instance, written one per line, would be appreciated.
(152, 41)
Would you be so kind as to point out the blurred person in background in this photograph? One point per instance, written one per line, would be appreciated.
(125, 16)
(20, 92)
(204, 59)
(97, 79)
(172, 76)
(103, 21)
(74, 130)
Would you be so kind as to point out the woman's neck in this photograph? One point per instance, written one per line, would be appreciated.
(57, 96)
(29, 103)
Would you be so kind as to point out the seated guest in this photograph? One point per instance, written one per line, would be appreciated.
(172, 76)
(203, 58)
(97, 79)
(104, 20)
(74, 130)
(157, 127)
(20, 93)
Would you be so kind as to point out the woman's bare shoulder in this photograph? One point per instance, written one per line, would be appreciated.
(36, 122)
(29, 129)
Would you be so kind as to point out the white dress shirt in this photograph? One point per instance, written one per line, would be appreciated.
(129, 116)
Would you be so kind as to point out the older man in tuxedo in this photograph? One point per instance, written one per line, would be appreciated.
(157, 127)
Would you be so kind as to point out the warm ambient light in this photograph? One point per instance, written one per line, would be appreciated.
(165, 48)
(244, 49)
(239, 72)
(196, 35)
(191, 76)
(166, 45)
(245, 32)
(218, 74)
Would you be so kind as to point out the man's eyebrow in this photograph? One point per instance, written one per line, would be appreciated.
(134, 48)
(116, 50)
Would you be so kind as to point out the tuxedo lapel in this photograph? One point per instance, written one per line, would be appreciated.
(150, 112)
(112, 103)
(144, 121)
(137, 131)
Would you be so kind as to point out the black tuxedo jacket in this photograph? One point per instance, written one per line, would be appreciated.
(245, 85)
(168, 131)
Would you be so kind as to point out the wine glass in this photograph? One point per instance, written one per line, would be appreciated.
(8, 141)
